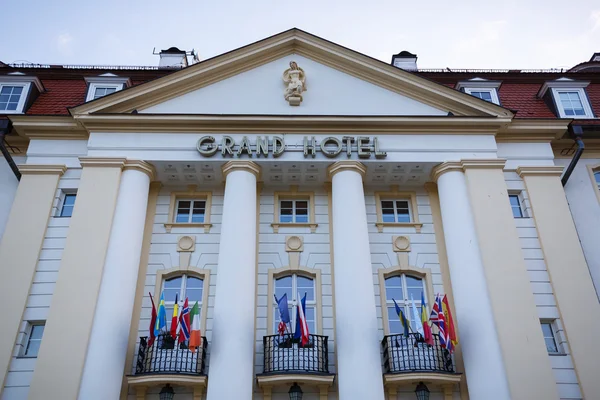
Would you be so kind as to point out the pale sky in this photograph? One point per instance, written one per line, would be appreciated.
(515, 34)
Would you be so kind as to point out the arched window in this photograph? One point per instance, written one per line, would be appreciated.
(292, 285)
(182, 286)
(403, 288)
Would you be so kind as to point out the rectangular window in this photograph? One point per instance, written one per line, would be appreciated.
(190, 211)
(293, 211)
(34, 339)
(549, 338)
(395, 211)
(103, 91)
(571, 103)
(487, 96)
(515, 204)
(10, 97)
(67, 206)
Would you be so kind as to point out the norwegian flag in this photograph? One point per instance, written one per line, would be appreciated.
(437, 317)
(184, 322)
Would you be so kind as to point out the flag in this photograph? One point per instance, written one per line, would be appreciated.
(450, 323)
(161, 319)
(152, 322)
(184, 322)
(301, 324)
(403, 319)
(282, 304)
(416, 316)
(437, 317)
(281, 328)
(195, 338)
(426, 328)
(175, 318)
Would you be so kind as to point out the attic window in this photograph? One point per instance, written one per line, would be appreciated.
(481, 88)
(568, 97)
(16, 92)
(105, 84)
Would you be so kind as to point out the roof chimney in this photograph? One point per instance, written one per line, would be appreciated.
(172, 58)
(405, 60)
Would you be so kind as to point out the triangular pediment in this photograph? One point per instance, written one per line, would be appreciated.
(249, 81)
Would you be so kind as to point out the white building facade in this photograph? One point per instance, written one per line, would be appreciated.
(294, 165)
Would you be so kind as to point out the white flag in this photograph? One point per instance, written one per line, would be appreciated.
(416, 316)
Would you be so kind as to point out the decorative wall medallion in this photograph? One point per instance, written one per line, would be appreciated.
(186, 243)
(294, 243)
(401, 243)
(295, 79)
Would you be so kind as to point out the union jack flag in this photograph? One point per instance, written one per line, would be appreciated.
(437, 317)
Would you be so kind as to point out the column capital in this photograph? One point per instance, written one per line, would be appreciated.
(42, 169)
(248, 166)
(141, 166)
(339, 166)
(550, 170)
(462, 165)
(444, 167)
(105, 162)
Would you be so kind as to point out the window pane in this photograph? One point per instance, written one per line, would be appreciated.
(551, 345)
(70, 199)
(388, 214)
(394, 322)
(284, 286)
(6, 90)
(110, 90)
(547, 330)
(17, 89)
(286, 204)
(402, 211)
(33, 348)
(306, 285)
(36, 332)
(183, 211)
(11, 106)
(302, 204)
(393, 288)
(597, 176)
(171, 288)
(67, 211)
(414, 287)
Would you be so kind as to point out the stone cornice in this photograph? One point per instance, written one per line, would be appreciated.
(141, 166)
(248, 166)
(106, 162)
(346, 166)
(545, 171)
(42, 169)
(462, 165)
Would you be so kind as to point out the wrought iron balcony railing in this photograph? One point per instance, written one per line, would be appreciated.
(403, 354)
(284, 354)
(168, 356)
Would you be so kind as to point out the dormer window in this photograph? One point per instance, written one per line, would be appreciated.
(105, 84)
(16, 92)
(481, 88)
(567, 97)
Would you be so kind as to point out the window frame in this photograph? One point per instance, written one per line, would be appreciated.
(294, 195)
(60, 202)
(395, 195)
(95, 86)
(27, 338)
(183, 288)
(190, 195)
(589, 114)
(314, 274)
(593, 170)
(164, 274)
(492, 91)
(421, 273)
(22, 98)
(107, 80)
(555, 337)
(191, 210)
(309, 303)
(63, 205)
(512, 207)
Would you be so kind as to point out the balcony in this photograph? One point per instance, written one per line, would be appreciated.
(169, 362)
(409, 359)
(287, 361)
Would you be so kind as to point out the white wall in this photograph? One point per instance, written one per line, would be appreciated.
(261, 90)
(8, 188)
(585, 208)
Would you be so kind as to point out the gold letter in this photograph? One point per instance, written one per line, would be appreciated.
(278, 146)
(244, 147)
(331, 153)
(364, 150)
(262, 146)
(312, 147)
(378, 153)
(349, 140)
(227, 144)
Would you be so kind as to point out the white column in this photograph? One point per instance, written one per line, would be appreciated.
(357, 338)
(107, 348)
(231, 366)
(482, 355)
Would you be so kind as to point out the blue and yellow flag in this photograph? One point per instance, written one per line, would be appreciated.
(402, 317)
(161, 320)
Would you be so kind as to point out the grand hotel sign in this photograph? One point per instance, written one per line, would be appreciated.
(363, 146)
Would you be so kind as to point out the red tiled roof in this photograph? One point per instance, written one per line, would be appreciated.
(522, 98)
(593, 92)
(59, 95)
